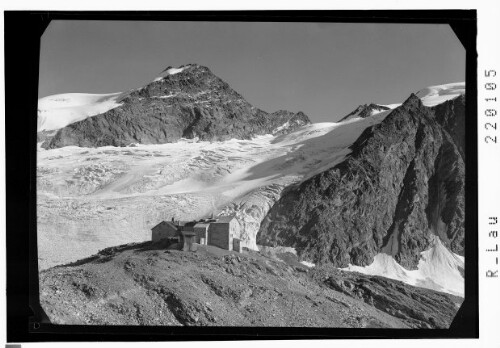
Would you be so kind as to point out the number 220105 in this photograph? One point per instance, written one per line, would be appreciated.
(490, 87)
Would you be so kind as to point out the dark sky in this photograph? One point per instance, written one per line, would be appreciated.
(325, 70)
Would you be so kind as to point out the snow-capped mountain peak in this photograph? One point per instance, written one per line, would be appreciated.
(185, 102)
(59, 110)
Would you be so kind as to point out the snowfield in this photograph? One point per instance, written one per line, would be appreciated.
(58, 111)
(434, 95)
(438, 269)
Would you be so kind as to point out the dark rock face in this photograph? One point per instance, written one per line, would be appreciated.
(419, 308)
(364, 111)
(295, 120)
(402, 182)
(451, 115)
(192, 103)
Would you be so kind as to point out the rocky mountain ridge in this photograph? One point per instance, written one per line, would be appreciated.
(188, 102)
(402, 183)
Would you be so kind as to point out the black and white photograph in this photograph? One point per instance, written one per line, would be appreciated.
(251, 174)
(211, 174)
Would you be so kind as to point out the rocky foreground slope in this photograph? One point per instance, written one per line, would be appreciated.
(188, 102)
(146, 284)
(402, 184)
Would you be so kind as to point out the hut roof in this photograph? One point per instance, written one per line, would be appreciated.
(225, 218)
(165, 223)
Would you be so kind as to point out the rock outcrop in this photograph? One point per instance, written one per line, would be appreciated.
(422, 307)
(402, 182)
(191, 102)
(451, 115)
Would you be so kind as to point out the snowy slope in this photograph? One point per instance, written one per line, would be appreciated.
(60, 110)
(438, 269)
(434, 95)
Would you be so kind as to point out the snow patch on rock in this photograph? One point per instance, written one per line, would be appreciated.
(438, 269)
(284, 126)
(308, 264)
(170, 71)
